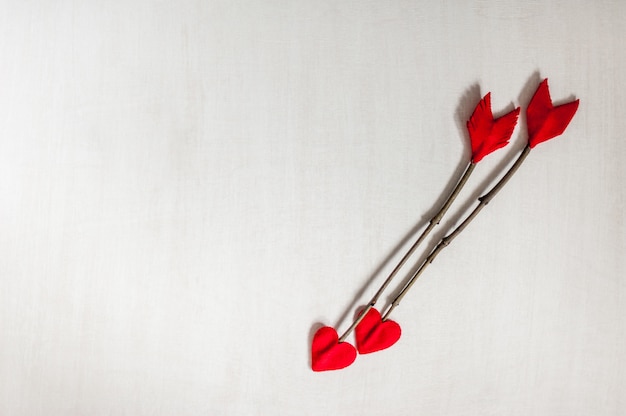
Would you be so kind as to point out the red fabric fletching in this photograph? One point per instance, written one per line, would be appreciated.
(544, 120)
(327, 353)
(486, 133)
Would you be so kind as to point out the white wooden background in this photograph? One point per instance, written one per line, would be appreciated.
(187, 188)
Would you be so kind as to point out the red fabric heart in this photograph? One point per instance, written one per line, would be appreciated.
(327, 353)
(372, 334)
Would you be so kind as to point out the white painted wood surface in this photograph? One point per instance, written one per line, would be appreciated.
(188, 188)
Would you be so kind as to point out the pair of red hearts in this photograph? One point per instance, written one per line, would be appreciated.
(372, 334)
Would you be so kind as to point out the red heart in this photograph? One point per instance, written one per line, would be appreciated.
(327, 353)
(372, 334)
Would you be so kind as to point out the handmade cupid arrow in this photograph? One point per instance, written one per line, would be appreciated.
(373, 333)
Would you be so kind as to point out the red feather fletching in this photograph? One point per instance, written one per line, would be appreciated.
(486, 133)
(544, 120)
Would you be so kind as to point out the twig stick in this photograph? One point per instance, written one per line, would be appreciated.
(432, 224)
(445, 241)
